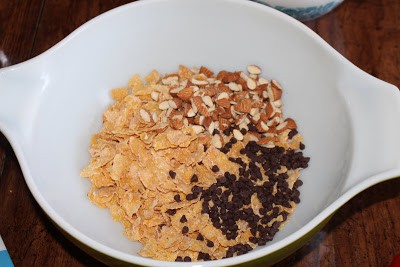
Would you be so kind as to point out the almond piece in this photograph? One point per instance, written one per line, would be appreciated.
(206, 71)
(204, 139)
(253, 69)
(266, 140)
(257, 103)
(199, 79)
(170, 80)
(243, 83)
(145, 115)
(235, 87)
(216, 141)
(236, 97)
(290, 123)
(172, 104)
(176, 123)
(251, 84)
(211, 128)
(190, 113)
(276, 84)
(253, 136)
(269, 110)
(223, 124)
(223, 95)
(262, 127)
(277, 103)
(185, 94)
(178, 102)
(154, 116)
(197, 101)
(214, 116)
(223, 88)
(227, 115)
(154, 95)
(198, 129)
(224, 102)
(204, 111)
(206, 121)
(263, 117)
(262, 81)
(227, 77)
(208, 101)
(196, 120)
(276, 92)
(164, 105)
(237, 134)
(243, 105)
(210, 91)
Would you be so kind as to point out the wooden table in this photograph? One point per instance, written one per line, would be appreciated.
(364, 232)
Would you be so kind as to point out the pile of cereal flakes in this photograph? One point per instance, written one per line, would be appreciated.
(197, 166)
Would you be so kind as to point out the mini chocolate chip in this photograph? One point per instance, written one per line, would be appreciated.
(224, 150)
(183, 219)
(298, 183)
(191, 196)
(302, 146)
(171, 211)
(178, 258)
(215, 168)
(177, 198)
(185, 230)
(200, 237)
(194, 179)
(196, 189)
(292, 133)
(187, 259)
(233, 140)
(172, 174)
(243, 131)
(210, 244)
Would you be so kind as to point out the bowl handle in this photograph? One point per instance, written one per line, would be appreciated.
(374, 109)
(21, 89)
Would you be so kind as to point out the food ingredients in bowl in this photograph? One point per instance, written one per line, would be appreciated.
(197, 166)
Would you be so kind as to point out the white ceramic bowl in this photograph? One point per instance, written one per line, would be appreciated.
(51, 105)
(303, 9)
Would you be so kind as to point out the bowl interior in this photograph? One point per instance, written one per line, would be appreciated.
(136, 38)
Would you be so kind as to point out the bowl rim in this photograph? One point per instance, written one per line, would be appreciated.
(75, 233)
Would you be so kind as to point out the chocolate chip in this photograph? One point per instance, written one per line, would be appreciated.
(292, 133)
(203, 256)
(194, 179)
(185, 230)
(215, 168)
(177, 198)
(302, 146)
(183, 219)
(171, 212)
(178, 258)
(210, 244)
(216, 131)
(191, 196)
(187, 259)
(200, 237)
(196, 189)
(172, 174)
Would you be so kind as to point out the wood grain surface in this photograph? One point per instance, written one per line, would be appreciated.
(364, 232)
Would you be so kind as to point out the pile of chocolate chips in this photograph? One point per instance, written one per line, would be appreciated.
(225, 201)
